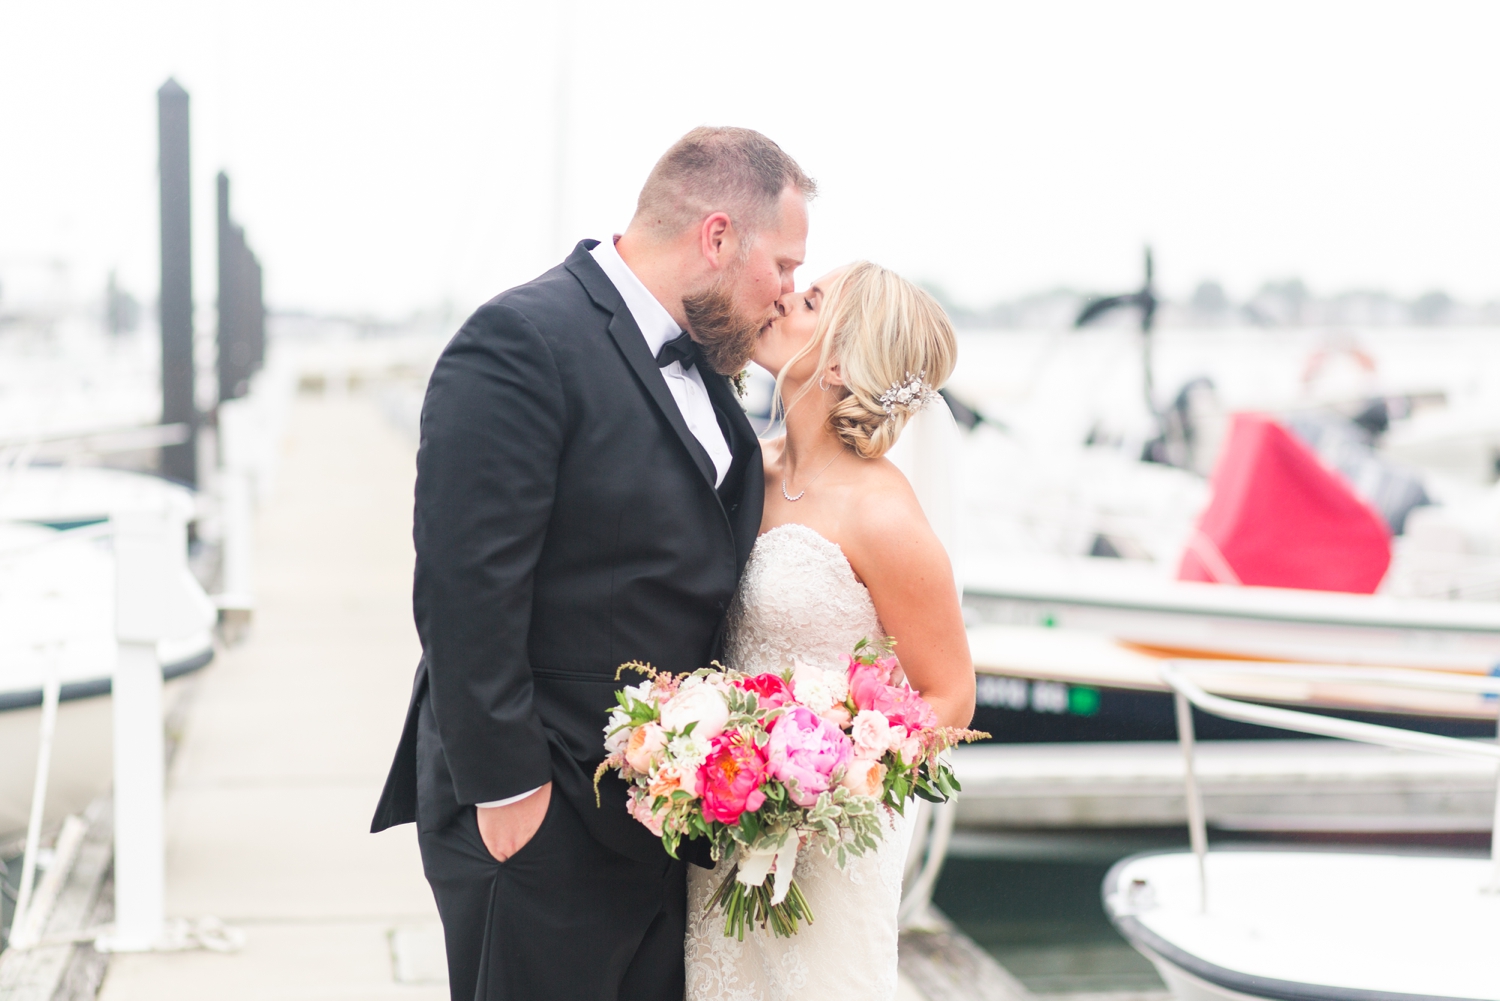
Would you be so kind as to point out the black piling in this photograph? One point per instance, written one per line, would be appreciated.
(242, 314)
(178, 462)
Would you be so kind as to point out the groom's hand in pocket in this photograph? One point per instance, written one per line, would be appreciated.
(507, 829)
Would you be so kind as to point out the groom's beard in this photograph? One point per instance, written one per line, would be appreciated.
(725, 335)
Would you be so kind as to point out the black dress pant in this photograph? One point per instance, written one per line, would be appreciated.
(563, 918)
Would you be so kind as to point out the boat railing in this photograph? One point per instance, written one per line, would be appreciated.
(1188, 694)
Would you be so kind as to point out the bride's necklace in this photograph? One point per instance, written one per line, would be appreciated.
(811, 481)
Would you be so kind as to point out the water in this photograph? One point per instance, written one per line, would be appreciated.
(10, 878)
(1032, 902)
(1044, 923)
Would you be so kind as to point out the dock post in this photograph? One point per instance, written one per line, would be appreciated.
(236, 599)
(178, 462)
(143, 569)
(229, 340)
(241, 336)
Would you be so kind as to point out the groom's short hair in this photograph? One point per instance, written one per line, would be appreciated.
(719, 169)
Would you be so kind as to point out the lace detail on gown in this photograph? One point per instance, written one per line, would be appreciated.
(799, 600)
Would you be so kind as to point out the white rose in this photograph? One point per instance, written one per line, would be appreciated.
(811, 688)
(696, 702)
(871, 733)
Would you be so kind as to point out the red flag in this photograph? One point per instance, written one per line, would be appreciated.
(1280, 518)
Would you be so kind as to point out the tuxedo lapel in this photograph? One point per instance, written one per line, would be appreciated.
(632, 344)
(743, 492)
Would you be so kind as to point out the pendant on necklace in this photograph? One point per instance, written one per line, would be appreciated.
(789, 496)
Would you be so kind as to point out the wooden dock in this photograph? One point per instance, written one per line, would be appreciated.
(287, 742)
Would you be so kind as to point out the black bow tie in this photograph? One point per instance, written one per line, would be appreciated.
(680, 348)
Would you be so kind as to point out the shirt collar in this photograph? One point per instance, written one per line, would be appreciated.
(656, 324)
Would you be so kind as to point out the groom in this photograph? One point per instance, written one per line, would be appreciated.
(588, 490)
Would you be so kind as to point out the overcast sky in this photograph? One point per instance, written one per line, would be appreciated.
(391, 157)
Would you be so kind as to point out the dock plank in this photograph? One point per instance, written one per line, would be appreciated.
(285, 748)
(943, 964)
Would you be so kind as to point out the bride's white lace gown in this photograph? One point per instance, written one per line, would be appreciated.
(799, 600)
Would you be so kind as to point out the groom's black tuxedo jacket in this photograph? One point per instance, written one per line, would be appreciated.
(566, 522)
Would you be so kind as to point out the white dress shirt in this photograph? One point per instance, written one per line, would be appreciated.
(658, 327)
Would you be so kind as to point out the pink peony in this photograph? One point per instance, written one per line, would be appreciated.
(904, 707)
(639, 806)
(770, 691)
(730, 778)
(866, 681)
(804, 752)
(644, 745)
(865, 776)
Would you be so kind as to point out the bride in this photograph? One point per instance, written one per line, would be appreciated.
(844, 554)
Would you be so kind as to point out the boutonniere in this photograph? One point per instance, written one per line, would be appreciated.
(741, 382)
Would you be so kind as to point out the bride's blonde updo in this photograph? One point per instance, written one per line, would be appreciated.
(895, 348)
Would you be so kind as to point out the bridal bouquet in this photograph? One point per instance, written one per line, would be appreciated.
(763, 764)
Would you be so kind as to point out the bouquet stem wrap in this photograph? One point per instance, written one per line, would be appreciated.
(755, 864)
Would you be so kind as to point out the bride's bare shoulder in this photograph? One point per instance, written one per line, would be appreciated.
(885, 507)
(886, 536)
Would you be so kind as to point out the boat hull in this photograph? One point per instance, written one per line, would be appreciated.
(1134, 604)
(1040, 710)
(1302, 925)
(82, 746)
(1057, 685)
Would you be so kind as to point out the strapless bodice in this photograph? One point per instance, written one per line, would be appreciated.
(798, 600)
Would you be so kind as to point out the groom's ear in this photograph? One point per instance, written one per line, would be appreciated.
(718, 241)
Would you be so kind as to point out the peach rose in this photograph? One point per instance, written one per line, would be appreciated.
(670, 778)
(865, 777)
(645, 743)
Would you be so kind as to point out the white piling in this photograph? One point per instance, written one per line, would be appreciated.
(142, 572)
(236, 599)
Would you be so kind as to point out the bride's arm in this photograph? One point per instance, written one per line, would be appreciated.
(899, 558)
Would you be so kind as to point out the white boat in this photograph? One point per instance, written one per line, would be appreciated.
(1312, 926)
(57, 614)
(1130, 602)
(1299, 925)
